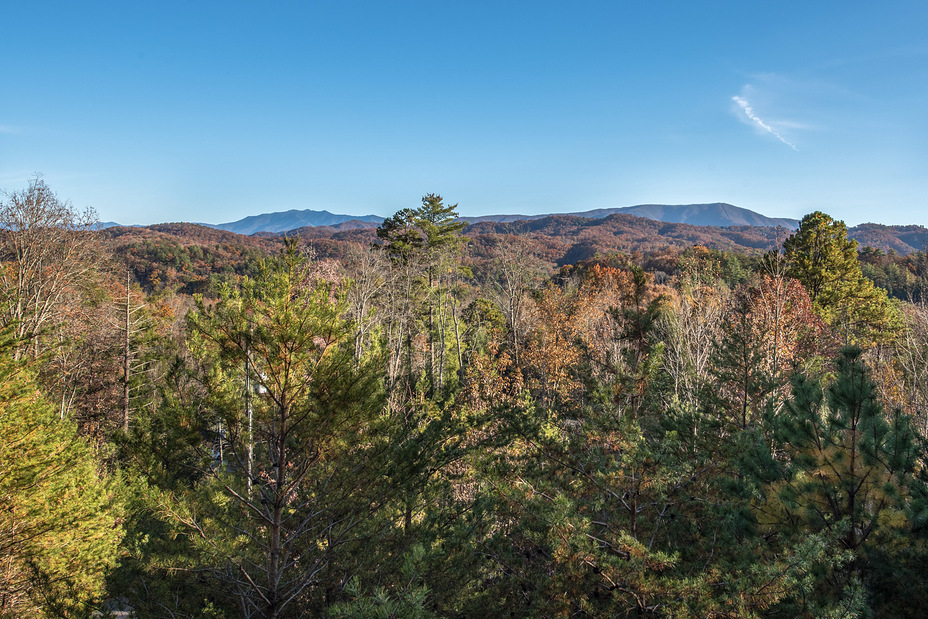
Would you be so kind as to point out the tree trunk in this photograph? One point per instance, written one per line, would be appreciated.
(273, 559)
(457, 337)
(126, 361)
(441, 340)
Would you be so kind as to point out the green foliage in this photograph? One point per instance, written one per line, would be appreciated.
(741, 381)
(425, 247)
(849, 473)
(437, 221)
(637, 322)
(277, 494)
(162, 572)
(595, 515)
(60, 521)
(401, 237)
(409, 602)
(822, 257)
(825, 261)
(615, 444)
(485, 324)
(701, 265)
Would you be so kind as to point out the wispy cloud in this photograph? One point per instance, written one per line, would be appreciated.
(755, 120)
(8, 129)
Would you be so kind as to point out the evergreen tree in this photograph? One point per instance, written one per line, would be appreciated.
(60, 517)
(401, 238)
(425, 245)
(825, 261)
(821, 256)
(289, 472)
(741, 384)
(848, 474)
(438, 222)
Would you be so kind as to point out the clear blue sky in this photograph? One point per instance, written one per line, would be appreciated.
(212, 111)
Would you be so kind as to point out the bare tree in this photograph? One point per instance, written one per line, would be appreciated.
(369, 270)
(912, 356)
(691, 328)
(45, 249)
(519, 270)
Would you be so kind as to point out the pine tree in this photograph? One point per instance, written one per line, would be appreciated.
(740, 380)
(825, 261)
(848, 474)
(289, 472)
(60, 517)
(425, 245)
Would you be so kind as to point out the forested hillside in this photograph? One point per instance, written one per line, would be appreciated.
(551, 418)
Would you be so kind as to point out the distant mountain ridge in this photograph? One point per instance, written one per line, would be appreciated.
(719, 214)
(321, 224)
(291, 220)
(900, 239)
(561, 239)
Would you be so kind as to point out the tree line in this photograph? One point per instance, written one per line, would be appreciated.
(431, 427)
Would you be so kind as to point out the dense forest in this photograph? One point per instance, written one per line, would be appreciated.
(436, 420)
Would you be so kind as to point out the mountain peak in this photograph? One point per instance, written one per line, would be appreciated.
(283, 221)
(719, 214)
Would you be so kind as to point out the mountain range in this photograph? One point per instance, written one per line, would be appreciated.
(717, 225)
(718, 214)
(560, 239)
(293, 219)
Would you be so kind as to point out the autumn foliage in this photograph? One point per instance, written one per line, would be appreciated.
(549, 418)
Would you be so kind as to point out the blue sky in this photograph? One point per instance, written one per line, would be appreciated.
(212, 111)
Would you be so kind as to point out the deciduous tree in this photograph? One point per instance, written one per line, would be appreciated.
(45, 250)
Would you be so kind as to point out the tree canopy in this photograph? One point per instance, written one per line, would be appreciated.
(825, 261)
(437, 426)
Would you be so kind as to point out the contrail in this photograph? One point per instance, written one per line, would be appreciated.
(749, 112)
